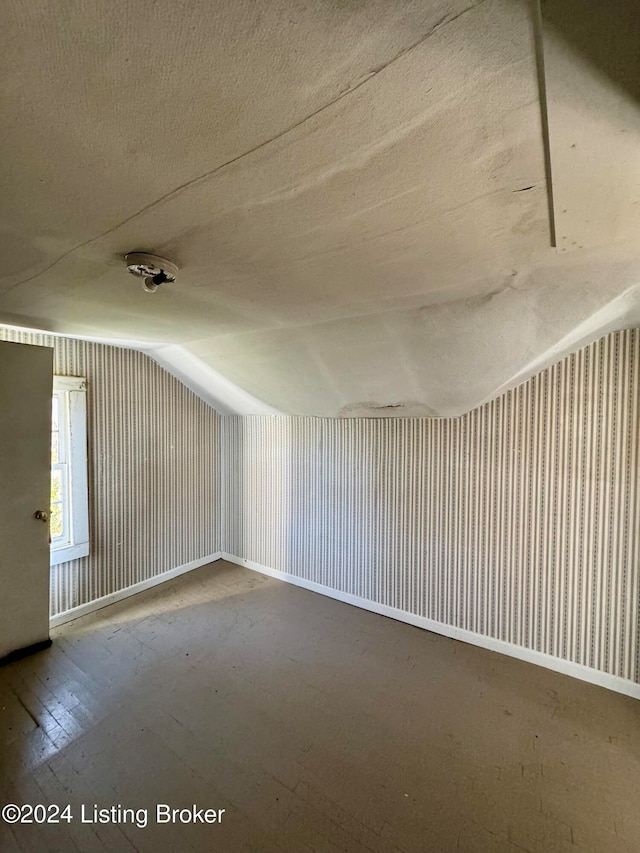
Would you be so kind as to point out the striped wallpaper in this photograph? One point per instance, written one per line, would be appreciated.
(153, 473)
(519, 520)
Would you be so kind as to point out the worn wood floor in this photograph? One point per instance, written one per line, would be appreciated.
(314, 725)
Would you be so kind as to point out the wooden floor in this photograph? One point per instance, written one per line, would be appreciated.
(314, 725)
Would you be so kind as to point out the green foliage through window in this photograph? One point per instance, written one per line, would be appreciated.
(56, 523)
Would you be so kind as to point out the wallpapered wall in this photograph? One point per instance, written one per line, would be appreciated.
(519, 520)
(153, 470)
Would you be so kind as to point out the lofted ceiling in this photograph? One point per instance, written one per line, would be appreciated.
(377, 208)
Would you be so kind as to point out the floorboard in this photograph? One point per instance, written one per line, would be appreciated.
(314, 725)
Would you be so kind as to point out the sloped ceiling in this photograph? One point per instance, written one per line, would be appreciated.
(357, 192)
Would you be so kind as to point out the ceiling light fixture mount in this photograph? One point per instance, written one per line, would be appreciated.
(153, 270)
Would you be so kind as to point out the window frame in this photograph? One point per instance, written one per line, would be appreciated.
(73, 416)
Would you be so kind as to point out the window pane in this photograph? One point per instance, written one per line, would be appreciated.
(56, 528)
(69, 527)
(56, 486)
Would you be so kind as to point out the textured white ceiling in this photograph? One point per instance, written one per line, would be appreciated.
(355, 192)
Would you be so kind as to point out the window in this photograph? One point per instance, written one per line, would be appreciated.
(69, 527)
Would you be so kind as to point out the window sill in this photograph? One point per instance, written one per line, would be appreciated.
(70, 552)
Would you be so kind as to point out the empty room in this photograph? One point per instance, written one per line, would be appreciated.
(320, 426)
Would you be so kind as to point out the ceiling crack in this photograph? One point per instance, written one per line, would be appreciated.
(443, 22)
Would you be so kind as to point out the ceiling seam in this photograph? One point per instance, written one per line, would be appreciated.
(544, 116)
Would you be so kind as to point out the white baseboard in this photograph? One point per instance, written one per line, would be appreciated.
(576, 670)
(99, 603)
